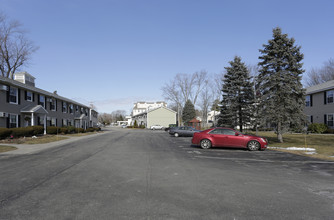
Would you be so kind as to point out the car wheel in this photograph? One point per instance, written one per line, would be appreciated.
(205, 144)
(253, 145)
(176, 134)
(153, 129)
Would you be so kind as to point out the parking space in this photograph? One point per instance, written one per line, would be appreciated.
(267, 158)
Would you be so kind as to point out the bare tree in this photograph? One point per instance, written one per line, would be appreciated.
(216, 87)
(206, 100)
(105, 118)
(184, 83)
(118, 115)
(184, 87)
(171, 92)
(200, 82)
(15, 48)
(320, 75)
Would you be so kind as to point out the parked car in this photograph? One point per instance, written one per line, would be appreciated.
(183, 131)
(227, 137)
(170, 126)
(156, 127)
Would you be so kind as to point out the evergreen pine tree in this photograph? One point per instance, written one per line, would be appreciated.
(279, 83)
(189, 112)
(238, 95)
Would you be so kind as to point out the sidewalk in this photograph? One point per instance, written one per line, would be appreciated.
(34, 148)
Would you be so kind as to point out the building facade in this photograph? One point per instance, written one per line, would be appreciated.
(22, 104)
(141, 107)
(319, 103)
(159, 116)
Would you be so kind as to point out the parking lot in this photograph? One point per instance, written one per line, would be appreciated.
(144, 174)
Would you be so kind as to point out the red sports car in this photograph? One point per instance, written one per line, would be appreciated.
(227, 137)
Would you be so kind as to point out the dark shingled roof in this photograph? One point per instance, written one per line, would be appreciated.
(40, 91)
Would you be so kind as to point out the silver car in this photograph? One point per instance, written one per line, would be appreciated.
(156, 127)
(185, 131)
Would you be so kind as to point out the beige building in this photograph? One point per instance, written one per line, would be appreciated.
(319, 103)
(159, 116)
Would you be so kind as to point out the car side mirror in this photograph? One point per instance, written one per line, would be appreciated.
(237, 134)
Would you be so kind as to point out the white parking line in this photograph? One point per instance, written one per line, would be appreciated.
(197, 152)
(268, 161)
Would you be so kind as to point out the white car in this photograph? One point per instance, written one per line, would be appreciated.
(156, 127)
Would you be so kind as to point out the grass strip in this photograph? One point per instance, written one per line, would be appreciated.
(322, 143)
(5, 148)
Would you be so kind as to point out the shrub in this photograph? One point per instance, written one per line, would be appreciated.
(63, 130)
(330, 131)
(37, 130)
(5, 132)
(71, 129)
(22, 132)
(142, 126)
(81, 130)
(90, 129)
(52, 130)
(317, 128)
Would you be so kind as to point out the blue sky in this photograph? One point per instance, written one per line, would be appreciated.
(116, 52)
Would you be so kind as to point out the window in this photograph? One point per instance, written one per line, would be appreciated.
(41, 100)
(53, 104)
(86, 112)
(41, 120)
(71, 108)
(81, 110)
(77, 108)
(13, 121)
(64, 122)
(330, 96)
(308, 101)
(330, 120)
(13, 95)
(64, 107)
(29, 96)
(53, 122)
(216, 131)
(70, 122)
(228, 132)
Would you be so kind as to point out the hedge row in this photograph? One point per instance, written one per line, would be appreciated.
(37, 130)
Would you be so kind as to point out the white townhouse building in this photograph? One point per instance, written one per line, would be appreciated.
(142, 107)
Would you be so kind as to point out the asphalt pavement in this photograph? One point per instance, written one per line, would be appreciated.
(143, 174)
